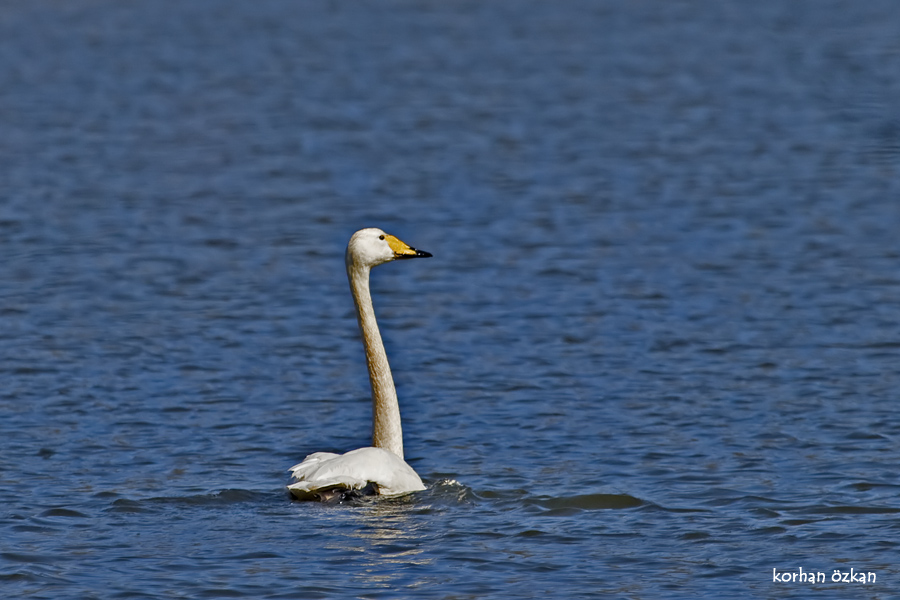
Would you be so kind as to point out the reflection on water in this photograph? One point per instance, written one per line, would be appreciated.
(390, 542)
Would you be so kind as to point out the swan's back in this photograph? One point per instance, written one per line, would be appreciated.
(356, 470)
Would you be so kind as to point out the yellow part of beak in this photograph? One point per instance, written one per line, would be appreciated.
(402, 249)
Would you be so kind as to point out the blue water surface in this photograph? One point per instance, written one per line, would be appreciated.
(655, 354)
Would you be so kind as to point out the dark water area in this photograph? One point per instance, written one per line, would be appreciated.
(655, 354)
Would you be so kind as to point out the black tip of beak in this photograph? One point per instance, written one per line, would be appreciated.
(423, 254)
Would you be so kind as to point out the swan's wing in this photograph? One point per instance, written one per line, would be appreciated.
(311, 462)
(354, 470)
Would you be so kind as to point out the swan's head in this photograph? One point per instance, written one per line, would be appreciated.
(372, 247)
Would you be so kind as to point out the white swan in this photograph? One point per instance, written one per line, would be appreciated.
(381, 468)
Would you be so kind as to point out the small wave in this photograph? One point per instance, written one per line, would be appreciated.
(851, 510)
(586, 502)
(451, 490)
(63, 512)
(219, 498)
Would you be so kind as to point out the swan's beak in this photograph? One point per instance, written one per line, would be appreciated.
(403, 250)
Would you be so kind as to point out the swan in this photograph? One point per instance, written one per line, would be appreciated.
(379, 469)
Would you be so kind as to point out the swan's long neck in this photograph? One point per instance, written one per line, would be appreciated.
(386, 430)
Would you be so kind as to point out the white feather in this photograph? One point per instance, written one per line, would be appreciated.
(355, 470)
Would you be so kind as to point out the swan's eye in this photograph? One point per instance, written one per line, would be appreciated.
(380, 237)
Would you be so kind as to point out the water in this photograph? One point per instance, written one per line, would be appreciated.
(655, 355)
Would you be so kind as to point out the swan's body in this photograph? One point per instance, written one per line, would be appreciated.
(381, 468)
(355, 470)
